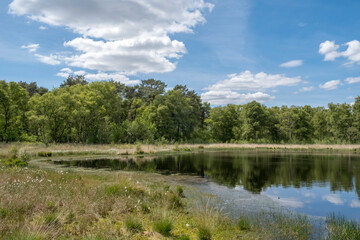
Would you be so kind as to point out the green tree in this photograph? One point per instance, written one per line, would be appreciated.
(254, 119)
(13, 106)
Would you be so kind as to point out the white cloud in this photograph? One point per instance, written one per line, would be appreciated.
(51, 59)
(62, 74)
(43, 28)
(135, 33)
(352, 80)
(226, 97)
(293, 63)
(31, 47)
(118, 77)
(81, 72)
(254, 86)
(67, 70)
(100, 76)
(355, 204)
(330, 50)
(306, 89)
(147, 54)
(330, 85)
(334, 198)
(246, 81)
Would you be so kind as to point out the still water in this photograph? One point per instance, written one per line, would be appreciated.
(316, 184)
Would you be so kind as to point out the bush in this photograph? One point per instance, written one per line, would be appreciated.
(25, 156)
(14, 162)
(163, 226)
(138, 149)
(44, 154)
(180, 191)
(133, 225)
(243, 223)
(13, 152)
(145, 208)
(204, 233)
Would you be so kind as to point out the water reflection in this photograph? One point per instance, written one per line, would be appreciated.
(254, 171)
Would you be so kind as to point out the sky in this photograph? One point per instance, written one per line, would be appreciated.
(278, 52)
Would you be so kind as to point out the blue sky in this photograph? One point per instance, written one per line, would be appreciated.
(278, 52)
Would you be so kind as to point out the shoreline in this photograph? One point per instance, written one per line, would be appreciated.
(150, 149)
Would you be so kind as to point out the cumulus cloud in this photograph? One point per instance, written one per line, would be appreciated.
(330, 85)
(148, 54)
(42, 28)
(226, 97)
(117, 77)
(247, 81)
(51, 59)
(120, 36)
(293, 63)
(330, 51)
(100, 76)
(245, 87)
(31, 47)
(352, 80)
(306, 89)
(334, 198)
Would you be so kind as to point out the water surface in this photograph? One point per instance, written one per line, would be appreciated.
(316, 184)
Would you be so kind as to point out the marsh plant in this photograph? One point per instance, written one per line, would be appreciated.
(132, 224)
(204, 233)
(340, 228)
(164, 226)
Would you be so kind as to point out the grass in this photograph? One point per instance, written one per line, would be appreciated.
(48, 204)
(204, 233)
(56, 204)
(131, 149)
(340, 228)
(133, 225)
(163, 226)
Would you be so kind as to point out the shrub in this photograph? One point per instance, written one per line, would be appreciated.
(243, 223)
(44, 154)
(163, 226)
(145, 208)
(25, 156)
(133, 225)
(204, 233)
(14, 162)
(13, 152)
(175, 201)
(180, 191)
(138, 149)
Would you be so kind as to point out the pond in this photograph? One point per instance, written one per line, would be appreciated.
(316, 184)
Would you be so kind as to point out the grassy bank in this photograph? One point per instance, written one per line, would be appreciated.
(64, 203)
(34, 149)
(40, 204)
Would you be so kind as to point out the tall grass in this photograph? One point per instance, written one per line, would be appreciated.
(340, 228)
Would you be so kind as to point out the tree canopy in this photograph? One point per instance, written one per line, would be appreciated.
(111, 112)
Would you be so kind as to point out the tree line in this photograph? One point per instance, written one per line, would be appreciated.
(111, 112)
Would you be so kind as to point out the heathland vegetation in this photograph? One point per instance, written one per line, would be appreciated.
(110, 112)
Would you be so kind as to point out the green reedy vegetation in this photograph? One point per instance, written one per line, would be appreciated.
(112, 113)
(44, 204)
(340, 228)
